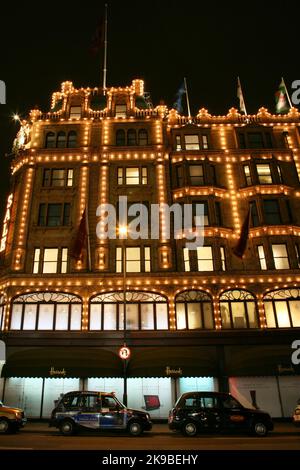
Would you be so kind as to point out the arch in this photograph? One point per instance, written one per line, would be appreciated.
(144, 311)
(120, 137)
(238, 309)
(131, 137)
(50, 140)
(72, 139)
(143, 137)
(282, 308)
(61, 140)
(194, 310)
(46, 311)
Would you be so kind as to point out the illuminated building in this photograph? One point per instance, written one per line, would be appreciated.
(201, 319)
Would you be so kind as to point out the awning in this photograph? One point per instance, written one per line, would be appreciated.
(186, 361)
(259, 360)
(62, 362)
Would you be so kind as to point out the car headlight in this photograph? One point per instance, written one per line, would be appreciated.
(148, 416)
(18, 415)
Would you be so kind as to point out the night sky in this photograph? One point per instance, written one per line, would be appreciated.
(160, 41)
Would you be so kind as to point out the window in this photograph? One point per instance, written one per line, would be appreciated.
(262, 257)
(196, 175)
(186, 259)
(271, 212)
(61, 140)
(131, 137)
(219, 220)
(144, 311)
(191, 142)
(121, 111)
(194, 310)
(120, 137)
(255, 140)
(198, 220)
(138, 259)
(54, 215)
(282, 308)
(289, 212)
(133, 175)
(264, 173)
(143, 137)
(178, 143)
(223, 258)
(75, 112)
(46, 311)
(238, 309)
(50, 260)
(50, 140)
(72, 139)
(247, 174)
(57, 177)
(205, 258)
(280, 255)
(297, 247)
(179, 175)
(204, 139)
(254, 214)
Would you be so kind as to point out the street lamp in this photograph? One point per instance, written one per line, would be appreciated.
(123, 230)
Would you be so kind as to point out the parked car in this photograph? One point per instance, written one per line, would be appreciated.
(97, 410)
(196, 412)
(296, 414)
(11, 419)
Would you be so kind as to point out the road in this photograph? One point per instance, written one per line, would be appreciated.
(38, 436)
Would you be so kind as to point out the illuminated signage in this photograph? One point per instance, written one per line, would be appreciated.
(6, 223)
(124, 353)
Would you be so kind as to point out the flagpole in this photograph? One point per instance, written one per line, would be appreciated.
(88, 239)
(187, 99)
(105, 52)
(287, 93)
(242, 94)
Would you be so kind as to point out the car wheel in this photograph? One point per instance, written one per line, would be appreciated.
(67, 427)
(4, 426)
(135, 428)
(259, 429)
(190, 429)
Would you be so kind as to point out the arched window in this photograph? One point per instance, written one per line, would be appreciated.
(72, 139)
(238, 309)
(282, 308)
(131, 137)
(144, 311)
(194, 310)
(143, 137)
(46, 311)
(50, 140)
(61, 140)
(2, 305)
(120, 137)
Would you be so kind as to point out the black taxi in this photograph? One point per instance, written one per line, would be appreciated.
(196, 412)
(97, 410)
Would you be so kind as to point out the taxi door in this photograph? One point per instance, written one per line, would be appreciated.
(88, 414)
(112, 416)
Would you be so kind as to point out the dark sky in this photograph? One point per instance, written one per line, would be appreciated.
(159, 40)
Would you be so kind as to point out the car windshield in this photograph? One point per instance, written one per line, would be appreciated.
(1, 404)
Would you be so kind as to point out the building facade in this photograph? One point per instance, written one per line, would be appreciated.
(195, 319)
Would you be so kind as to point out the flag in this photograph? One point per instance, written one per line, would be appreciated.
(178, 103)
(281, 99)
(98, 38)
(241, 97)
(80, 238)
(240, 247)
